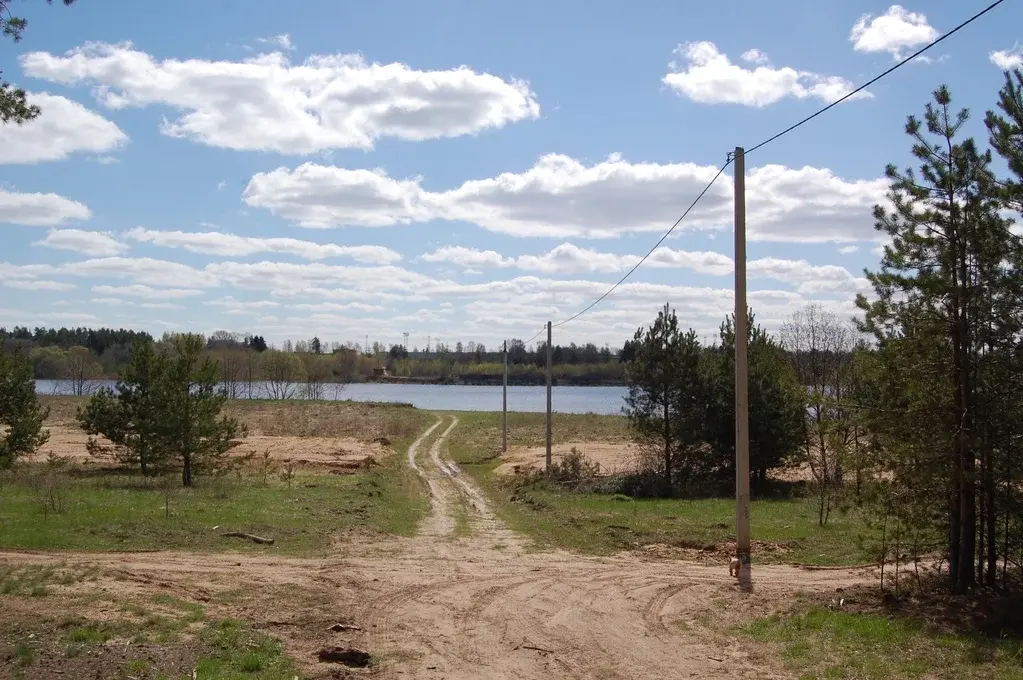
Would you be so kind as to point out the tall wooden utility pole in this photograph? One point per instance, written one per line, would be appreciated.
(549, 372)
(504, 406)
(742, 501)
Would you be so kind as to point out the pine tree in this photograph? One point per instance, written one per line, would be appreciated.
(666, 404)
(937, 297)
(192, 431)
(128, 418)
(776, 403)
(21, 414)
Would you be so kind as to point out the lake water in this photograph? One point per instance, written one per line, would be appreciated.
(529, 399)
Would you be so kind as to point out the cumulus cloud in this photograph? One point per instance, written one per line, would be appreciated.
(38, 284)
(808, 278)
(92, 243)
(1007, 60)
(268, 103)
(66, 127)
(755, 56)
(568, 258)
(121, 302)
(231, 245)
(561, 197)
(283, 41)
(894, 32)
(321, 196)
(39, 210)
(707, 76)
(148, 292)
(142, 270)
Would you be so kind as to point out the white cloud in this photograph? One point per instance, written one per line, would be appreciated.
(142, 270)
(120, 302)
(38, 284)
(568, 258)
(894, 32)
(1008, 60)
(65, 127)
(220, 185)
(39, 210)
(231, 245)
(755, 56)
(561, 197)
(848, 250)
(236, 307)
(148, 292)
(283, 41)
(707, 76)
(321, 196)
(808, 278)
(268, 103)
(468, 257)
(338, 307)
(20, 317)
(92, 243)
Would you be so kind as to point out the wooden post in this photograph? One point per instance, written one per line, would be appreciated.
(549, 372)
(504, 403)
(742, 500)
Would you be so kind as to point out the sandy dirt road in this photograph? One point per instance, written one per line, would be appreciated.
(460, 602)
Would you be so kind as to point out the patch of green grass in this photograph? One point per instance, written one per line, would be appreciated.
(821, 643)
(477, 438)
(603, 524)
(24, 654)
(239, 653)
(137, 667)
(33, 581)
(127, 513)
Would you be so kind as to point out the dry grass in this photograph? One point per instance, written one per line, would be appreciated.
(358, 420)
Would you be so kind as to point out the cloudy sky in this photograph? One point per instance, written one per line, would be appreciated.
(456, 169)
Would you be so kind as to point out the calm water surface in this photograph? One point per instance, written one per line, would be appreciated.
(532, 399)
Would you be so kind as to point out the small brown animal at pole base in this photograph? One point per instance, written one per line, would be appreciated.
(733, 567)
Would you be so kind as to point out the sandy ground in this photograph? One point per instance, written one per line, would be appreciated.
(459, 604)
(313, 453)
(612, 458)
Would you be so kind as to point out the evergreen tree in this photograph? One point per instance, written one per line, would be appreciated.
(776, 403)
(666, 404)
(940, 293)
(191, 429)
(21, 414)
(128, 418)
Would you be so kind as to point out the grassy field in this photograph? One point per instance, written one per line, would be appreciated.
(159, 637)
(130, 513)
(603, 524)
(107, 510)
(477, 439)
(825, 643)
(295, 418)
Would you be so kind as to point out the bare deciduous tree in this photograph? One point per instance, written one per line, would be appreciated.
(820, 346)
(282, 372)
(80, 371)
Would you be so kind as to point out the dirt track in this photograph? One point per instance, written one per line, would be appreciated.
(479, 604)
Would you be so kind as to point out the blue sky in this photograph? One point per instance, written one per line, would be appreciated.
(453, 169)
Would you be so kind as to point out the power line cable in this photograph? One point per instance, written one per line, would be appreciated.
(878, 77)
(765, 143)
(651, 251)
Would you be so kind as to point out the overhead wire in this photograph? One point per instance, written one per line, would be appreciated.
(764, 143)
(877, 77)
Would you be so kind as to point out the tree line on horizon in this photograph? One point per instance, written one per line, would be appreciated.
(80, 357)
